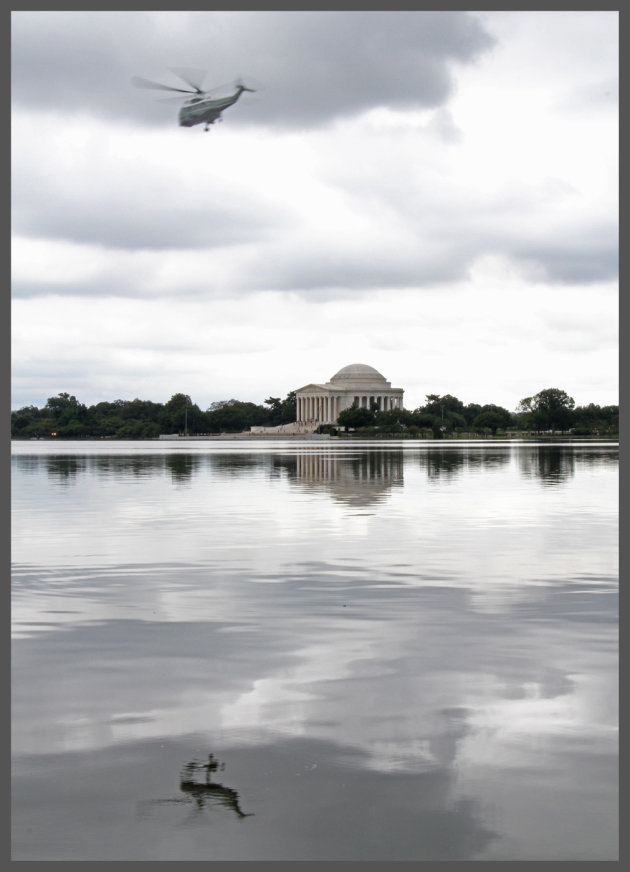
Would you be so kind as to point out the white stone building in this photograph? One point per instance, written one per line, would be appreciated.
(355, 384)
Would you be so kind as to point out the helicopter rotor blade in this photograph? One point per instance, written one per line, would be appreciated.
(191, 76)
(220, 90)
(139, 82)
(180, 98)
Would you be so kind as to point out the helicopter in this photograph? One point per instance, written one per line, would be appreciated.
(201, 108)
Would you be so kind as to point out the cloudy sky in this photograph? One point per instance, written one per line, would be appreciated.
(431, 193)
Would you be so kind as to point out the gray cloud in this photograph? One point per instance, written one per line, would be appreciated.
(311, 269)
(592, 257)
(394, 152)
(142, 224)
(314, 66)
(350, 272)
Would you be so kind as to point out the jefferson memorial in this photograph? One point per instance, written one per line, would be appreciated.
(354, 384)
(321, 403)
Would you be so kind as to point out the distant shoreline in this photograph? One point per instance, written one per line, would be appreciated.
(326, 437)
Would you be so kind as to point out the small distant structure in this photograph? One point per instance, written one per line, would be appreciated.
(354, 385)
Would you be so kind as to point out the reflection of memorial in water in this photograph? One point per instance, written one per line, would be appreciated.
(358, 480)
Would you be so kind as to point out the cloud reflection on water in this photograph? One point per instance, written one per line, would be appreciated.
(463, 630)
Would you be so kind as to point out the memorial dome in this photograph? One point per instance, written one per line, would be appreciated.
(359, 373)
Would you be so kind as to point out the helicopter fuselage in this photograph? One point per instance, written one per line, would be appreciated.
(202, 110)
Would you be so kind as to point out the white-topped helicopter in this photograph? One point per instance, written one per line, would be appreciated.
(201, 108)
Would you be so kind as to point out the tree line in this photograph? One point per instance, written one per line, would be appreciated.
(549, 410)
(64, 417)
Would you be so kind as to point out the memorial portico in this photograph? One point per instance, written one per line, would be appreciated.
(357, 385)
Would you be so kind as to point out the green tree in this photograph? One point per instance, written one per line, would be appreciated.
(106, 418)
(142, 410)
(610, 417)
(447, 411)
(494, 418)
(275, 410)
(234, 416)
(131, 429)
(471, 411)
(425, 420)
(593, 419)
(550, 409)
(24, 418)
(454, 421)
(73, 429)
(281, 411)
(65, 408)
(29, 421)
(393, 420)
(289, 408)
(355, 417)
(436, 404)
(180, 413)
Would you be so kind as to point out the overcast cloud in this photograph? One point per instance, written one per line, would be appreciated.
(431, 193)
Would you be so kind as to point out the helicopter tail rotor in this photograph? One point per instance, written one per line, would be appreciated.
(239, 83)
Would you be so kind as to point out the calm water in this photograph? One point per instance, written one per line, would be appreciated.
(393, 651)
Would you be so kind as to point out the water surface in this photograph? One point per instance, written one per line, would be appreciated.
(392, 651)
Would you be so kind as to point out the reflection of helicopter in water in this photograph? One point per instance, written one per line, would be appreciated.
(201, 108)
(205, 793)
